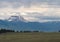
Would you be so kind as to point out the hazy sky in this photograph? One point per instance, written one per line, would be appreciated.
(31, 10)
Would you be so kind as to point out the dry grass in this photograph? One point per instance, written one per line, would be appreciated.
(30, 37)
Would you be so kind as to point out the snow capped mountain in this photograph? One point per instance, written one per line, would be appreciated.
(14, 18)
(17, 22)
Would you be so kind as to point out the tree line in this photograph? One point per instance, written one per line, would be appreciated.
(6, 30)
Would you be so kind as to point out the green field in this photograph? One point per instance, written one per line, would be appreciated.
(30, 37)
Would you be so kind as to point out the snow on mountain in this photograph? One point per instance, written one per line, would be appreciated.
(11, 16)
(16, 18)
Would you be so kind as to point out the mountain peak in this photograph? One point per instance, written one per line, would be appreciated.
(16, 18)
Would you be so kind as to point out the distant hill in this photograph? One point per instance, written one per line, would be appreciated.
(21, 25)
(18, 23)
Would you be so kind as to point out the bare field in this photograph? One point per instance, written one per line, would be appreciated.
(30, 37)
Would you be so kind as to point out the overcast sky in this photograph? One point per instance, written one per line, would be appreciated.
(31, 10)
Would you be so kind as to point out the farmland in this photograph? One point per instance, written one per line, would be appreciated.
(30, 37)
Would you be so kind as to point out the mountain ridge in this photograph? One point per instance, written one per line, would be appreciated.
(21, 25)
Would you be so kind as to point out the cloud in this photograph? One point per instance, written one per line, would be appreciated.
(31, 10)
(29, 3)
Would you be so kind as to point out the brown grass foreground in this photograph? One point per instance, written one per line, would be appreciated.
(30, 37)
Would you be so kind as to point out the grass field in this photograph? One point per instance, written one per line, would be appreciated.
(30, 37)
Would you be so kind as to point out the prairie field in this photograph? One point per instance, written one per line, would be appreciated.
(30, 37)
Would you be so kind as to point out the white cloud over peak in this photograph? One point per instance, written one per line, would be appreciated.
(31, 10)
